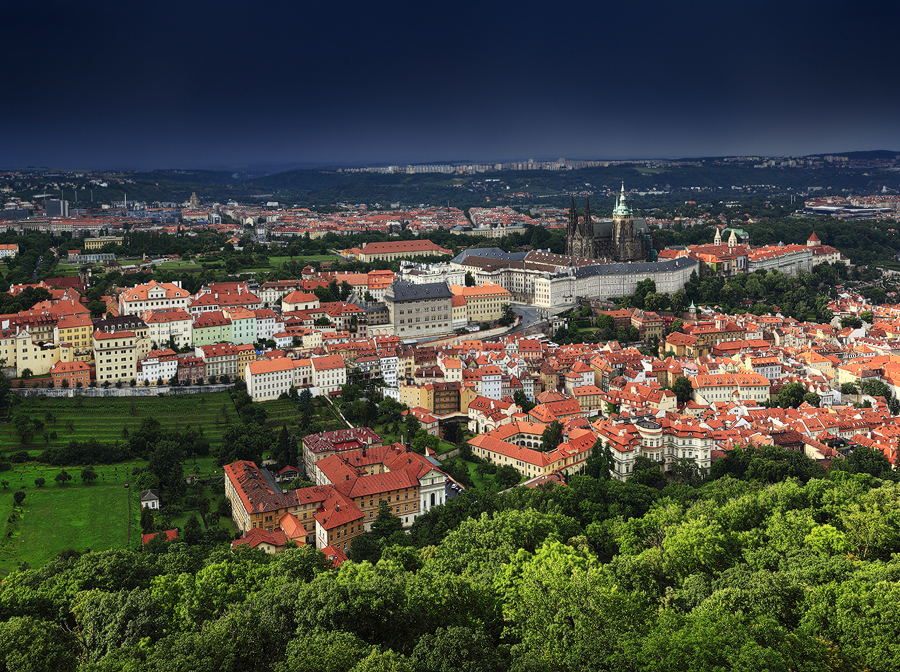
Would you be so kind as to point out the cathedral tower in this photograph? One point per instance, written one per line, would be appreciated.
(623, 229)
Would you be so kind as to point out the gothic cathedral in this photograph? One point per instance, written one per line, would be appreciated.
(623, 238)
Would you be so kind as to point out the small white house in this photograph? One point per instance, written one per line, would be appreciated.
(150, 499)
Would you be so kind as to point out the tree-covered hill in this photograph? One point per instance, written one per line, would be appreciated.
(800, 574)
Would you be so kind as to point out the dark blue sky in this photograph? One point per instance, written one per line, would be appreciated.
(172, 83)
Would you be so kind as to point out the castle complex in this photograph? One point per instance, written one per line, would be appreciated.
(622, 238)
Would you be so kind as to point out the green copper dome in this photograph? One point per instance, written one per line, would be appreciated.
(622, 209)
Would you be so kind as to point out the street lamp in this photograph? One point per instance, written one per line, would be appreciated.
(128, 496)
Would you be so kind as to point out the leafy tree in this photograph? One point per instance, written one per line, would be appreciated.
(31, 644)
(866, 461)
(245, 442)
(63, 477)
(849, 388)
(683, 389)
(457, 649)
(507, 317)
(791, 395)
(812, 399)
(192, 533)
(851, 321)
(647, 472)
(685, 470)
(522, 401)
(470, 280)
(324, 651)
(552, 436)
(147, 522)
(423, 440)
(507, 476)
(385, 523)
(600, 463)
(296, 484)
(166, 463)
(88, 475)
(18, 497)
(39, 482)
(555, 600)
(412, 425)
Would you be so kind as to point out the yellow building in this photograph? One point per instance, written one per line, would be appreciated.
(77, 331)
(484, 303)
(97, 243)
(246, 354)
(38, 357)
(421, 396)
(399, 249)
(115, 355)
(818, 362)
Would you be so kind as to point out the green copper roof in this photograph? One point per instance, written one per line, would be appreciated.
(622, 209)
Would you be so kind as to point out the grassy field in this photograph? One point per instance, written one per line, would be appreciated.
(181, 265)
(54, 518)
(105, 418)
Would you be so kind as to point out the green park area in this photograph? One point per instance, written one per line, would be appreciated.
(257, 265)
(57, 517)
(45, 436)
(58, 420)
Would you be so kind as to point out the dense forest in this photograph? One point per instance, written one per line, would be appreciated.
(775, 564)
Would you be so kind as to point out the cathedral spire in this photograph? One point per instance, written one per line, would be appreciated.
(573, 217)
(622, 209)
(588, 219)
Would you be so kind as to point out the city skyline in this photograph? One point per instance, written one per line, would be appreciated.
(173, 85)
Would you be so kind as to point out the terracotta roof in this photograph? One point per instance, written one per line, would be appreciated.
(170, 535)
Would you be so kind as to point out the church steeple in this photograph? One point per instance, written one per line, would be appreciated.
(622, 209)
(588, 225)
(573, 218)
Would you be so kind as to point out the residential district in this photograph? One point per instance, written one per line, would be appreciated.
(465, 341)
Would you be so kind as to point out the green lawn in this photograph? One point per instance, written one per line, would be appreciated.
(445, 447)
(55, 518)
(66, 270)
(105, 418)
(485, 482)
(181, 265)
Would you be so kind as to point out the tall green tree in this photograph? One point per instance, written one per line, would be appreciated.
(552, 436)
(600, 463)
(683, 389)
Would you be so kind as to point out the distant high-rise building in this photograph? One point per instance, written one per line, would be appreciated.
(57, 208)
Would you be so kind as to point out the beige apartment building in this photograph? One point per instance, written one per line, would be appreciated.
(115, 356)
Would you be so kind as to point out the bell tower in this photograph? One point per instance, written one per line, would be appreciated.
(623, 228)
